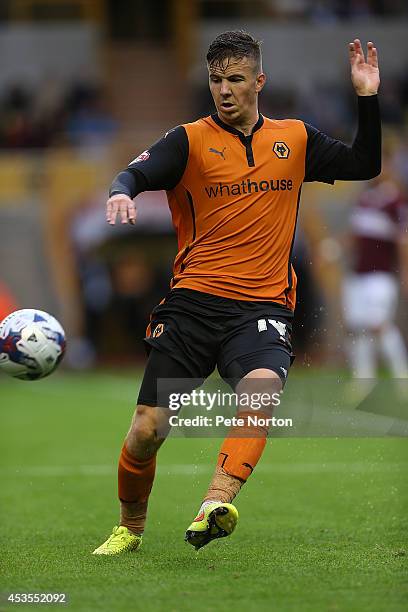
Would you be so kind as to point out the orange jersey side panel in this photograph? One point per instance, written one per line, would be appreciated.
(236, 222)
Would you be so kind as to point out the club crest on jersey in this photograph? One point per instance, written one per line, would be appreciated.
(158, 330)
(281, 150)
(140, 158)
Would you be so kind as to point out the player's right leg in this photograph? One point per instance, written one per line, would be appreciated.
(137, 461)
(184, 341)
(359, 314)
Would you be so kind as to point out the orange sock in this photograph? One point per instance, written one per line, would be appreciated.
(243, 448)
(223, 487)
(135, 478)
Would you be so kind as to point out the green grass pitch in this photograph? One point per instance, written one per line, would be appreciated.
(323, 521)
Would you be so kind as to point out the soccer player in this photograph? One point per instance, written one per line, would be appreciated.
(379, 232)
(233, 183)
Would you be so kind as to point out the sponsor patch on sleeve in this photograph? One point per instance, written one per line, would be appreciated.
(140, 158)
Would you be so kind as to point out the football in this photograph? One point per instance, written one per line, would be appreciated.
(32, 344)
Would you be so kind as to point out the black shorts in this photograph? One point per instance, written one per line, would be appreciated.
(195, 332)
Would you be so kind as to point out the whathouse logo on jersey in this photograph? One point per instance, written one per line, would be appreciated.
(247, 187)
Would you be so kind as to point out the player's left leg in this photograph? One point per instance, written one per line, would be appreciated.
(242, 449)
(255, 358)
(238, 456)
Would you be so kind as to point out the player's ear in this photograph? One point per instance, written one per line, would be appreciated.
(260, 82)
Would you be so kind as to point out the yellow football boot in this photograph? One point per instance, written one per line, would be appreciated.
(216, 520)
(122, 540)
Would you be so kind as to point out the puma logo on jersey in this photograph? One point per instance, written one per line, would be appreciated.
(284, 371)
(212, 150)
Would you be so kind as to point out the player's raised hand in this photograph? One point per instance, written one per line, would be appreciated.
(120, 204)
(365, 75)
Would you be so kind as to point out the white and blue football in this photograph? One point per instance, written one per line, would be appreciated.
(32, 344)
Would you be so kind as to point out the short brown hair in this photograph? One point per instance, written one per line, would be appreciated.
(238, 44)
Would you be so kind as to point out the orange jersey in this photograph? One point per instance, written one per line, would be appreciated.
(234, 199)
(235, 213)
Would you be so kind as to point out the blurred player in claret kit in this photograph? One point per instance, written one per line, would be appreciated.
(233, 183)
(379, 235)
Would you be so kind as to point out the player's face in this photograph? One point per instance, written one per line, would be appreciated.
(234, 87)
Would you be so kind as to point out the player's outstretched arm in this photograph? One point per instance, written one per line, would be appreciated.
(159, 167)
(365, 75)
(122, 205)
(328, 159)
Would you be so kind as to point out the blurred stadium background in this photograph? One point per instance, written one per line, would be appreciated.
(86, 85)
